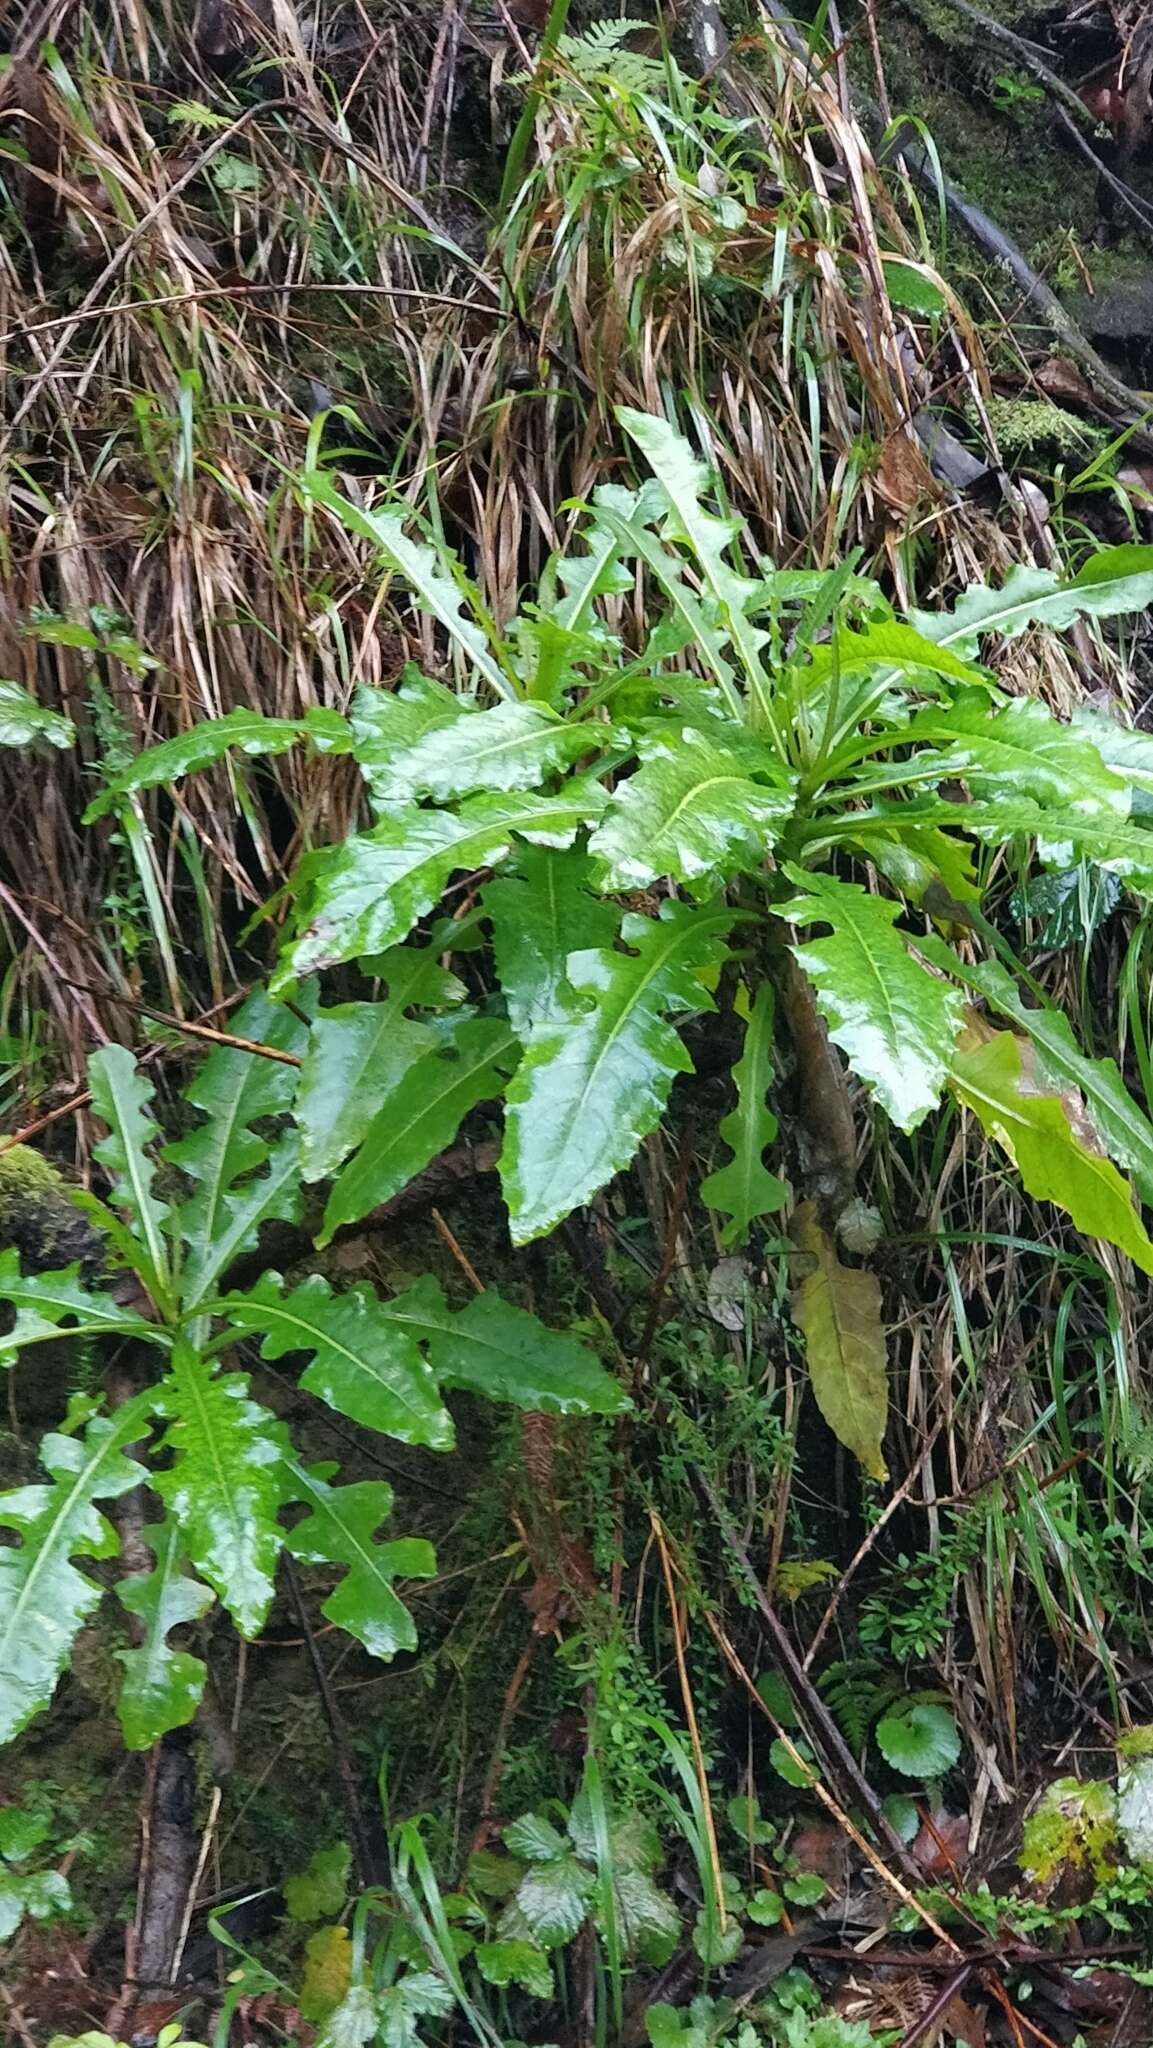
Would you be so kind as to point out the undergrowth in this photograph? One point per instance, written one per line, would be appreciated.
(575, 991)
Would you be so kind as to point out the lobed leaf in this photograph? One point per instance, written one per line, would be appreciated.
(121, 1097)
(365, 1363)
(226, 1484)
(23, 720)
(1017, 749)
(1063, 836)
(340, 1530)
(456, 751)
(249, 732)
(1113, 580)
(44, 1598)
(596, 1074)
(426, 570)
(242, 1178)
(894, 1021)
(683, 481)
(691, 812)
(412, 1126)
(745, 1189)
(838, 1312)
(43, 1300)
(1050, 1141)
(360, 1053)
(162, 1687)
(490, 1347)
(540, 912)
(367, 894)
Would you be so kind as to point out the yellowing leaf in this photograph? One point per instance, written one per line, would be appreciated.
(838, 1312)
(1050, 1140)
(327, 1970)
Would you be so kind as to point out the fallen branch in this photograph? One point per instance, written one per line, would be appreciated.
(826, 1733)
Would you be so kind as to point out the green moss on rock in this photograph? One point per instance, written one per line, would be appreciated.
(39, 1216)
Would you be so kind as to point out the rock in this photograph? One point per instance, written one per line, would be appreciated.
(1121, 311)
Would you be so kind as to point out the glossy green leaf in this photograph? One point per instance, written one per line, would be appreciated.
(511, 747)
(745, 1189)
(341, 1529)
(838, 1312)
(695, 619)
(901, 1813)
(23, 720)
(44, 1300)
(786, 1766)
(21, 1832)
(691, 812)
(44, 1598)
(1063, 836)
(534, 1839)
(490, 1347)
(916, 859)
(649, 1922)
(1016, 749)
(248, 732)
(365, 1363)
(552, 1900)
(894, 1021)
(540, 913)
(886, 644)
(684, 482)
(910, 288)
(226, 1484)
(122, 1097)
(386, 723)
(359, 1053)
(919, 1739)
(1050, 1140)
(596, 1075)
(1066, 906)
(1124, 748)
(368, 893)
(162, 1687)
(434, 578)
(1114, 580)
(765, 1908)
(1124, 1130)
(242, 1178)
(413, 1126)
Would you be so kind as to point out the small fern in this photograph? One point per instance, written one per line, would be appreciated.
(597, 57)
(856, 1690)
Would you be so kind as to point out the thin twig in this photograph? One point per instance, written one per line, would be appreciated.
(194, 1887)
(458, 1252)
(821, 1792)
(257, 289)
(838, 1754)
(863, 1549)
(366, 1861)
(691, 1718)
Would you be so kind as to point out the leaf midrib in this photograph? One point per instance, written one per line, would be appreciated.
(81, 1491)
(318, 1341)
(677, 940)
